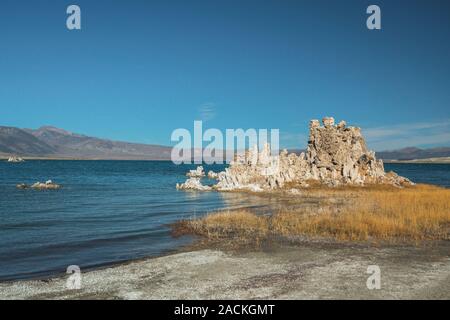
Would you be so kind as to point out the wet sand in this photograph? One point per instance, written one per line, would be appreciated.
(310, 271)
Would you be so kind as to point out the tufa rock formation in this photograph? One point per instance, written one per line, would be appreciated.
(15, 159)
(197, 173)
(336, 155)
(48, 185)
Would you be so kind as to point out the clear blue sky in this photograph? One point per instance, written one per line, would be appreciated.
(139, 69)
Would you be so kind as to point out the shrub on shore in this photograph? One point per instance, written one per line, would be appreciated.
(416, 213)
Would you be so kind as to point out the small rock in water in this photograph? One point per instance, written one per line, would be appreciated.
(193, 183)
(48, 185)
(15, 159)
(197, 173)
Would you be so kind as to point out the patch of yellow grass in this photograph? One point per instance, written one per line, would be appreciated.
(415, 213)
(241, 224)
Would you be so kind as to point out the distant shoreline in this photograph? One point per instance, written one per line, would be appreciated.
(3, 158)
(444, 160)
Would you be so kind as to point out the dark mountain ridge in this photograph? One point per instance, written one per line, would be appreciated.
(53, 142)
(20, 142)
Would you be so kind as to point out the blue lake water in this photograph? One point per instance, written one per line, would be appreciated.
(112, 211)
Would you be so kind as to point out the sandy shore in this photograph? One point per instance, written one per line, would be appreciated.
(311, 271)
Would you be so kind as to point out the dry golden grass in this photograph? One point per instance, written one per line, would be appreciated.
(416, 213)
(242, 225)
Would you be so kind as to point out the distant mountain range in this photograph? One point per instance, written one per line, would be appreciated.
(51, 142)
(410, 153)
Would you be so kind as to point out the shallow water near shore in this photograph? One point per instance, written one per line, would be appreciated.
(112, 211)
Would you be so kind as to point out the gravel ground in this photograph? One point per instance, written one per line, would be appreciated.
(303, 272)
